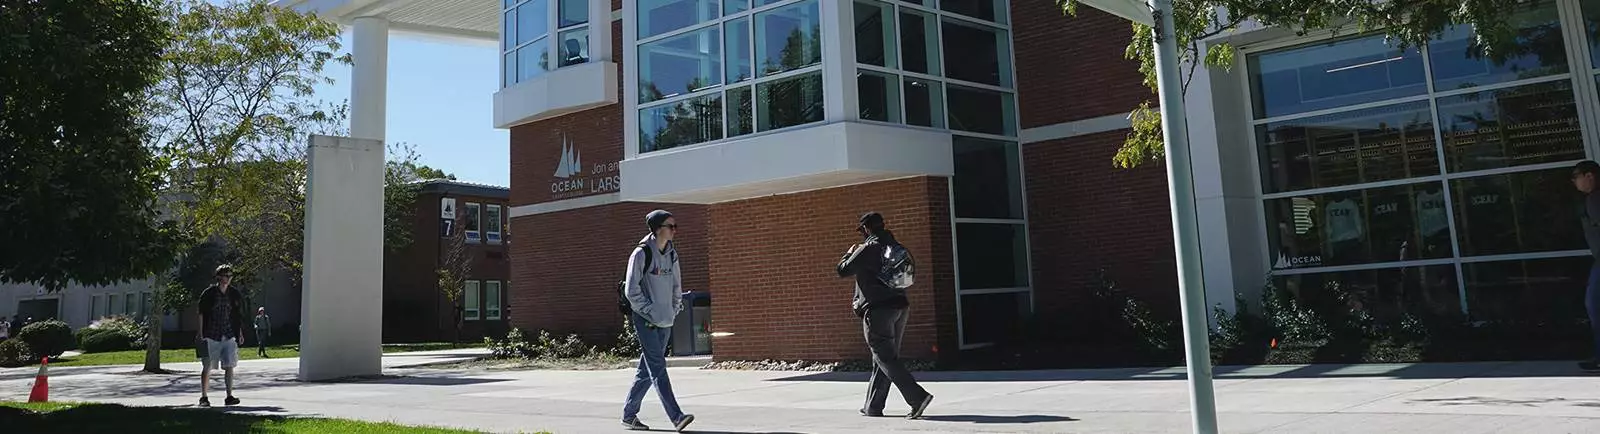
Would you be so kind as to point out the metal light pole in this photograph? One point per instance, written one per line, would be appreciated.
(1180, 184)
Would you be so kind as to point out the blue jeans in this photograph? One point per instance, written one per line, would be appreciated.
(652, 370)
(1591, 300)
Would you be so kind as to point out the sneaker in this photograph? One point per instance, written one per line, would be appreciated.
(205, 402)
(1589, 366)
(634, 425)
(916, 413)
(684, 423)
(230, 400)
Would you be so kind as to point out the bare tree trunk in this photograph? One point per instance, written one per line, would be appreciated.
(152, 342)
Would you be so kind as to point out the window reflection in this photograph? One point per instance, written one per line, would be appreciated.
(1517, 213)
(740, 67)
(1458, 62)
(919, 42)
(741, 112)
(1386, 294)
(988, 318)
(981, 111)
(984, 52)
(1354, 147)
(987, 10)
(687, 122)
(574, 47)
(679, 65)
(924, 102)
(658, 17)
(1333, 74)
(875, 41)
(1387, 224)
(1511, 127)
(988, 179)
(533, 20)
(789, 38)
(879, 96)
(790, 101)
(533, 60)
(1540, 291)
(992, 255)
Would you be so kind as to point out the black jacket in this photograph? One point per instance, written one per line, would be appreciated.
(208, 300)
(871, 293)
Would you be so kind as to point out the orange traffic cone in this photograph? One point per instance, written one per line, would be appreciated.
(41, 383)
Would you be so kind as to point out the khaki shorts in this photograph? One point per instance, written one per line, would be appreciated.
(225, 353)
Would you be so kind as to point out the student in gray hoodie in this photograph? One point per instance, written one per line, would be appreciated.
(655, 297)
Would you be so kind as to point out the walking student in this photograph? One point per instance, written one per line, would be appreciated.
(654, 287)
(883, 310)
(221, 325)
(1583, 177)
(263, 325)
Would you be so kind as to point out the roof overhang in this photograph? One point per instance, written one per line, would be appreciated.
(476, 20)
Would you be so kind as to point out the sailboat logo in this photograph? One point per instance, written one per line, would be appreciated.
(570, 164)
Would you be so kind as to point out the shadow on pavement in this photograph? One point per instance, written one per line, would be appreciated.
(1032, 418)
(1491, 401)
(1396, 371)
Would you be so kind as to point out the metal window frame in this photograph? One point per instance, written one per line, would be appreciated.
(1586, 98)
(552, 38)
(474, 305)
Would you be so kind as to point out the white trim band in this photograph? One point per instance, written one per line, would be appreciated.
(1082, 127)
(565, 205)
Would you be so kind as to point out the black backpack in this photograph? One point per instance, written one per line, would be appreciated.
(623, 306)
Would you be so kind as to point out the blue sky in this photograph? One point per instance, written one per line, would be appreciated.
(441, 101)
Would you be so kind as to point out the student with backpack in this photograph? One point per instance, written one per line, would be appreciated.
(653, 288)
(883, 269)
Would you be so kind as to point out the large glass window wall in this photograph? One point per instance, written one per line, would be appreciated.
(539, 36)
(1430, 179)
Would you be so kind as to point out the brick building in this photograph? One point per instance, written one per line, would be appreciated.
(448, 213)
(1416, 178)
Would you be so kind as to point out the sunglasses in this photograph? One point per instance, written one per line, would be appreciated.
(673, 226)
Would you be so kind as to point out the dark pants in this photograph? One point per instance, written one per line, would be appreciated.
(652, 371)
(884, 328)
(261, 342)
(1591, 301)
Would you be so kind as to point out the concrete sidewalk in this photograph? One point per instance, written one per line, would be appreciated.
(1435, 398)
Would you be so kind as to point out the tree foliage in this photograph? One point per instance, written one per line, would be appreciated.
(78, 184)
(401, 183)
(1404, 22)
(454, 269)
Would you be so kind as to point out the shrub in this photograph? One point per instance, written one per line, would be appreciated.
(627, 344)
(14, 353)
(133, 329)
(104, 341)
(47, 338)
(545, 346)
(513, 345)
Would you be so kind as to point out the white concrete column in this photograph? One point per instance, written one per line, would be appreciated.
(341, 307)
(600, 39)
(369, 78)
(838, 61)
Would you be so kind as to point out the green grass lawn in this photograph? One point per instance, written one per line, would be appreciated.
(136, 357)
(69, 417)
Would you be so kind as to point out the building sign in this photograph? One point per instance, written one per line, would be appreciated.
(573, 179)
(447, 217)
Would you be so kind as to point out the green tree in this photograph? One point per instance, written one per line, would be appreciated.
(1405, 23)
(454, 270)
(78, 183)
(401, 182)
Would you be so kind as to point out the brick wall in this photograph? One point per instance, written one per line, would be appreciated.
(1072, 68)
(536, 148)
(414, 309)
(1085, 214)
(567, 264)
(772, 277)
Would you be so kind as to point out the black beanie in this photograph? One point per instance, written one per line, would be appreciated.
(655, 219)
(872, 221)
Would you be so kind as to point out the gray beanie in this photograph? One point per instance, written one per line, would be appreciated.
(655, 219)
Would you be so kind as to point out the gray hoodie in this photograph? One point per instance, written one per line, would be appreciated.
(655, 294)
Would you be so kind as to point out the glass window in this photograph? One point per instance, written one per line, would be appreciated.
(985, 53)
(924, 102)
(508, 30)
(144, 304)
(988, 181)
(992, 255)
(1539, 290)
(1333, 74)
(1531, 124)
(981, 111)
(532, 20)
(879, 95)
(740, 67)
(679, 65)
(658, 17)
(730, 7)
(491, 300)
(114, 304)
(987, 10)
(130, 304)
(1399, 223)
(491, 223)
(1591, 21)
(573, 12)
(875, 34)
(575, 47)
(919, 42)
(97, 308)
(1458, 62)
(1376, 144)
(533, 60)
(469, 302)
(789, 102)
(473, 217)
(741, 113)
(989, 318)
(1518, 213)
(510, 64)
(789, 38)
(687, 122)
(1383, 293)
